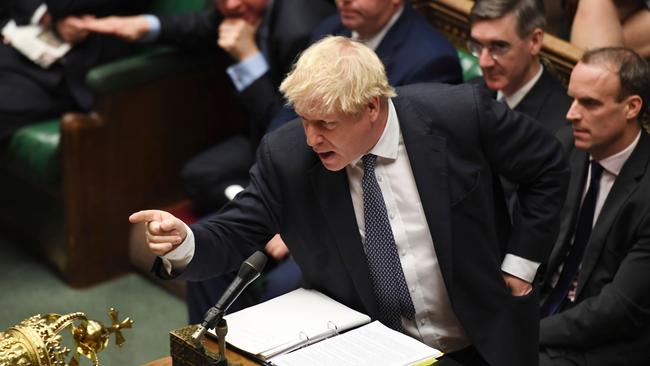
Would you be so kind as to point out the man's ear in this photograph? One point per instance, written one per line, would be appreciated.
(374, 107)
(536, 41)
(633, 105)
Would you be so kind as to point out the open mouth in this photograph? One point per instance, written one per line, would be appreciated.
(325, 155)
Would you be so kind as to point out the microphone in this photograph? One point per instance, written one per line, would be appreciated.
(248, 272)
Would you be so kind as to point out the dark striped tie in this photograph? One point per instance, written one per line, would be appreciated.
(386, 273)
(558, 295)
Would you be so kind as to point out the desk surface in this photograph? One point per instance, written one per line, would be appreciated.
(211, 344)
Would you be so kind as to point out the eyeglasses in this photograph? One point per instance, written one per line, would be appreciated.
(495, 49)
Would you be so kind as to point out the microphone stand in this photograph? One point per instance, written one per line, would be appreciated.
(221, 330)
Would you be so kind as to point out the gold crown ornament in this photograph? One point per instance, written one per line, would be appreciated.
(36, 341)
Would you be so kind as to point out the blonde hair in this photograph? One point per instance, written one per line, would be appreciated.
(335, 75)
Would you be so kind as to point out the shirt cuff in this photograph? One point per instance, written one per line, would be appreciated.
(179, 258)
(154, 28)
(520, 267)
(244, 73)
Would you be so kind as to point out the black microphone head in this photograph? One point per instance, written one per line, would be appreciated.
(252, 267)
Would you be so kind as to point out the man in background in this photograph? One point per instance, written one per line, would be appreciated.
(506, 36)
(596, 292)
(30, 92)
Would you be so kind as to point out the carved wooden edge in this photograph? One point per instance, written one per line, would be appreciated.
(451, 17)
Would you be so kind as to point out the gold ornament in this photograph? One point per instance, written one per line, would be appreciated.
(36, 341)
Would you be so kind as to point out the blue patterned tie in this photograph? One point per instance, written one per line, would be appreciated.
(558, 295)
(385, 268)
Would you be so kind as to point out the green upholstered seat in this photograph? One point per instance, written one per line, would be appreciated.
(469, 64)
(33, 151)
(33, 154)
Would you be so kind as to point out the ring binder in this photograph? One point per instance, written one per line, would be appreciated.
(275, 327)
(333, 326)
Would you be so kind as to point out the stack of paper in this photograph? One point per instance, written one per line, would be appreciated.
(35, 42)
(301, 319)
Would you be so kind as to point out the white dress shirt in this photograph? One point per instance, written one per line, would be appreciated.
(374, 41)
(516, 97)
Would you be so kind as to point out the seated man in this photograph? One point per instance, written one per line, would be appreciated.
(30, 92)
(386, 199)
(596, 292)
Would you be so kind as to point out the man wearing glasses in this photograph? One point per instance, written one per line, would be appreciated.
(506, 37)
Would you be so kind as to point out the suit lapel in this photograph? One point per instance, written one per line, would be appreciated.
(393, 39)
(579, 164)
(534, 100)
(427, 155)
(333, 195)
(625, 184)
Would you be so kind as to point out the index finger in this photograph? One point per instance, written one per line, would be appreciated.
(144, 216)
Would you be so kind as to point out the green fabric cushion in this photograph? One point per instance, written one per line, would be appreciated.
(177, 6)
(33, 154)
(153, 64)
(469, 64)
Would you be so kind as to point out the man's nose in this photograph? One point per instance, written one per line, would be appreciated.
(573, 114)
(312, 134)
(485, 58)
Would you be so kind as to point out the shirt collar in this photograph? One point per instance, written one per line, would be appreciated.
(374, 41)
(613, 164)
(516, 97)
(388, 145)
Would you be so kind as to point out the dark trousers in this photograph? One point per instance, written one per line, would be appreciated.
(207, 175)
(25, 101)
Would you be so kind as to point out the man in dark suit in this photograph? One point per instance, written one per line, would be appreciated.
(29, 92)
(507, 36)
(596, 293)
(423, 242)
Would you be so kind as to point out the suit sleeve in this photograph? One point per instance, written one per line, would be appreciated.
(621, 310)
(196, 30)
(519, 149)
(243, 226)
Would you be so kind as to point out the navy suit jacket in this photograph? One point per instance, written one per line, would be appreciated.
(609, 324)
(457, 141)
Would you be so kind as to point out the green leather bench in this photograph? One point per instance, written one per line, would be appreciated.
(69, 184)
